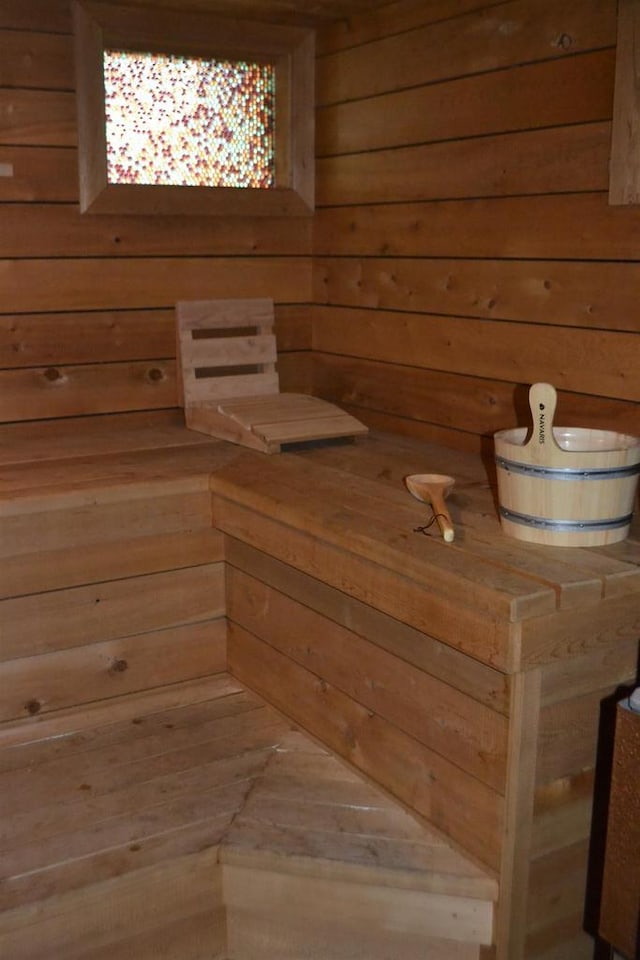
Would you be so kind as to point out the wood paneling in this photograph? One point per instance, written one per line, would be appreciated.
(491, 38)
(37, 60)
(37, 117)
(432, 785)
(473, 106)
(567, 228)
(556, 160)
(433, 712)
(59, 230)
(519, 352)
(462, 174)
(111, 668)
(395, 16)
(470, 404)
(72, 282)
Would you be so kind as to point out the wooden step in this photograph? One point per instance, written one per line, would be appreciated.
(321, 865)
(195, 821)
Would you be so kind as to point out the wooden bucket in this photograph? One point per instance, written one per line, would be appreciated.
(565, 486)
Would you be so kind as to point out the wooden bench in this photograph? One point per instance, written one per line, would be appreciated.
(464, 680)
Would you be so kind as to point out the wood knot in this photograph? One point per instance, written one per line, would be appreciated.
(32, 707)
(52, 374)
(155, 374)
(564, 41)
(119, 666)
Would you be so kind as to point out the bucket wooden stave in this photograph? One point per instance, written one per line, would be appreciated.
(566, 486)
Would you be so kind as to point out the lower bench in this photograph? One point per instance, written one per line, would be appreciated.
(195, 822)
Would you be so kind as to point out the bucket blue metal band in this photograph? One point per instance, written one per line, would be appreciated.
(569, 526)
(568, 473)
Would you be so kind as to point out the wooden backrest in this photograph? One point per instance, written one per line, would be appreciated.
(226, 348)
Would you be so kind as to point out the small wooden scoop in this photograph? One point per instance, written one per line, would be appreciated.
(433, 488)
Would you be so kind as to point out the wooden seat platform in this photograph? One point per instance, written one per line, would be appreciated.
(229, 383)
(141, 560)
(197, 817)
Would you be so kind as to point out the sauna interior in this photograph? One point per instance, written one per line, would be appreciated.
(253, 707)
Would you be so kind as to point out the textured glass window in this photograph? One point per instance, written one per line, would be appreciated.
(185, 121)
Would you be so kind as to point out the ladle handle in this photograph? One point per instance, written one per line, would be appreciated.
(542, 446)
(442, 515)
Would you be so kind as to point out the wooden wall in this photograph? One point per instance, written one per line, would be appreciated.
(86, 320)
(463, 243)
(464, 246)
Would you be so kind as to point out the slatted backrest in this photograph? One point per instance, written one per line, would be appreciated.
(226, 348)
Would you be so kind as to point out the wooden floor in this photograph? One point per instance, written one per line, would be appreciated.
(146, 826)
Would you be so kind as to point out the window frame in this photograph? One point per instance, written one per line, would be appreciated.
(99, 27)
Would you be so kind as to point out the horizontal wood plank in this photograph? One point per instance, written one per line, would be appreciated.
(568, 227)
(376, 523)
(429, 784)
(60, 230)
(101, 670)
(440, 717)
(37, 118)
(555, 160)
(36, 60)
(552, 93)
(397, 597)
(40, 174)
(475, 679)
(46, 570)
(45, 339)
(174, 907)
(480, 348)
(110, 610)
(394, 17)
(450, 400)
(545, 292)
(572, 633)
(35, 15)
(493, 37)
(67, 391)
(40, 523)
(78, 284)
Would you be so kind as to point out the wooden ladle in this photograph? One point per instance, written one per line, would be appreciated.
(432, 488)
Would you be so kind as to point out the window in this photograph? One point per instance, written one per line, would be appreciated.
(187, 113)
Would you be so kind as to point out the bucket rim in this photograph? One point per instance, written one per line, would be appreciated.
(621, 443)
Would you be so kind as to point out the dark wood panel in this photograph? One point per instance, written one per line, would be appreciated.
(59, 230)
(40, 60)
(569, 226)
(573, 90)
(557, 890)
(469, 812)
(93, 284)
(37, 118)
(487, 39)
(107, 611)
(454, 438)
(40, 15)
(64, 391)
(394, 17)
(556, 160)
(472, 678)
(518, 352)
(560, 293)
(63, 568)
(40, 173)
(37, 340)
(454, 401)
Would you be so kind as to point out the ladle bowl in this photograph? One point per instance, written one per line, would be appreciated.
(433, 488)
